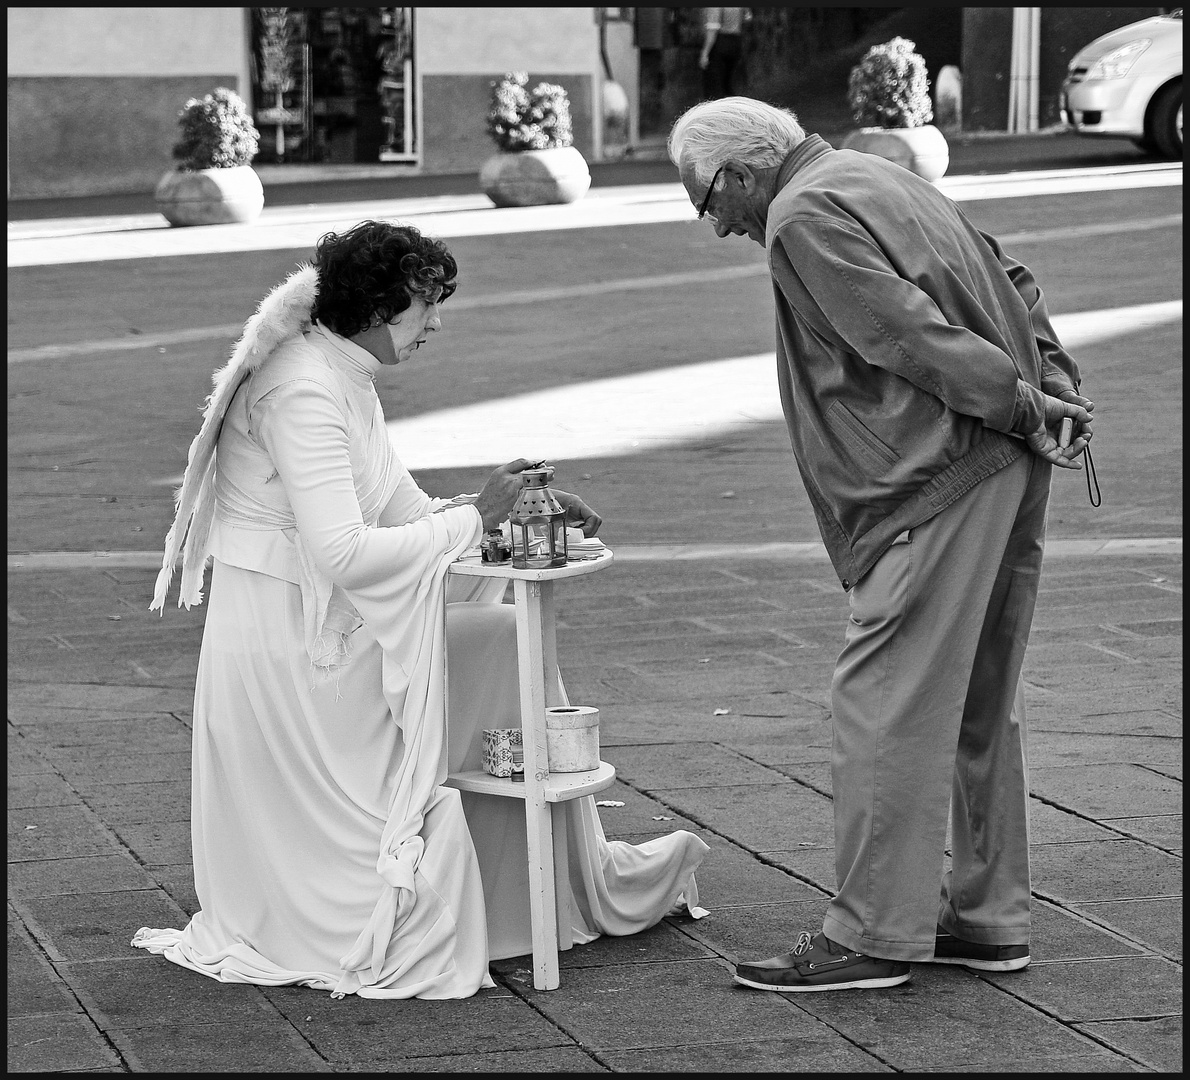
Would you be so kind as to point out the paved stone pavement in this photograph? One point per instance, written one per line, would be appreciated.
(98, 763)
(711, 672)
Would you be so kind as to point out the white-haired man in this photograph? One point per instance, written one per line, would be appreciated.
(924, 390)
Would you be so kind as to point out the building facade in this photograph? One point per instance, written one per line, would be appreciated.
(94, 93)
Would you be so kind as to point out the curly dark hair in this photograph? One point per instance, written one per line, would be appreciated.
(374, 270)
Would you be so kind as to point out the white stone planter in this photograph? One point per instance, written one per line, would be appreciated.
(210, 196)
(922, 150)
(535, 177)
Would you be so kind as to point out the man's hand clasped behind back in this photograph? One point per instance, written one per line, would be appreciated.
(1045, 443)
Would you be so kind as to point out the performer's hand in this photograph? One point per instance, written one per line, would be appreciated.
(578, 512)
(500, 492)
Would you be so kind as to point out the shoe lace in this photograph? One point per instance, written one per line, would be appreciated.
(802, 944)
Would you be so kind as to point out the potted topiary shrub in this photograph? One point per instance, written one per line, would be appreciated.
(214, 182)
(889, 97)
(536, 162)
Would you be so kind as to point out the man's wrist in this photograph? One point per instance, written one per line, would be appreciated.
(1028, 414)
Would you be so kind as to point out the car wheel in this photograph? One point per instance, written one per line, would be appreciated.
(1167, 121)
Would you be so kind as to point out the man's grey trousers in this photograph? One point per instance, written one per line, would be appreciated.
(929, 719)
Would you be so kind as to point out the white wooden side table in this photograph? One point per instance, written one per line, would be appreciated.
(543, 792)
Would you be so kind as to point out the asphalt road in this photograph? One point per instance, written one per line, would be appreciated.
(97, 442)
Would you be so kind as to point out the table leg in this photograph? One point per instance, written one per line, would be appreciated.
(531, 616)
(562, 876)
(553, 696)
(549, 647)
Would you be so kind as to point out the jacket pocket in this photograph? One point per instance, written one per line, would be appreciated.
(858, 438)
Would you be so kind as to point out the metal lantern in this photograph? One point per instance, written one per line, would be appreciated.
(538, 523)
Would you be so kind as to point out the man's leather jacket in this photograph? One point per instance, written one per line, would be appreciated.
(910, 348)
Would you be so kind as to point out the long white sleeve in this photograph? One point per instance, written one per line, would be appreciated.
(304, 430)
(408, 503)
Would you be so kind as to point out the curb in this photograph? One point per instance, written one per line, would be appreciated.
(813, 551)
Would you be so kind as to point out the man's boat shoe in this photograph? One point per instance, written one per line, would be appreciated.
(817, 963)
(949, 949)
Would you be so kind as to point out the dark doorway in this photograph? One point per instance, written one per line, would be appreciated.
(798, 57)
(670, 80)
(335, 85)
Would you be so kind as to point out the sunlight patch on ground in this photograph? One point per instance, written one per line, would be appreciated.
(631, 414)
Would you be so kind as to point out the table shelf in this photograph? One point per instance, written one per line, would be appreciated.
(544, 794)
(558, 787)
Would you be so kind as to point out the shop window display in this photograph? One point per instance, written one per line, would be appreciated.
(334, 85)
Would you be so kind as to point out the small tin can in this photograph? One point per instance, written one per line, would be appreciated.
(495, 547)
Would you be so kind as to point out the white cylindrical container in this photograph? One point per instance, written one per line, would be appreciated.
(572, 738)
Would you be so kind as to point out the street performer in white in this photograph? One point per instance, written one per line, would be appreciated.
(327, 850)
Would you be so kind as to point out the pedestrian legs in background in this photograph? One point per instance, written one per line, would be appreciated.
(720, 76)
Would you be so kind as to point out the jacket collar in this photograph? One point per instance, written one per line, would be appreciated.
(811, 148)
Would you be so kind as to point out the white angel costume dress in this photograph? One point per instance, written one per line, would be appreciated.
(327, 850)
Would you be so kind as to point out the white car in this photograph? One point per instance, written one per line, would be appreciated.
(1129, 83)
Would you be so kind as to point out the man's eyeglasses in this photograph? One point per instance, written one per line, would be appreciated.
(702, 210)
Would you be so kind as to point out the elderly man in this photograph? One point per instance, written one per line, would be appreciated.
(925, 394)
